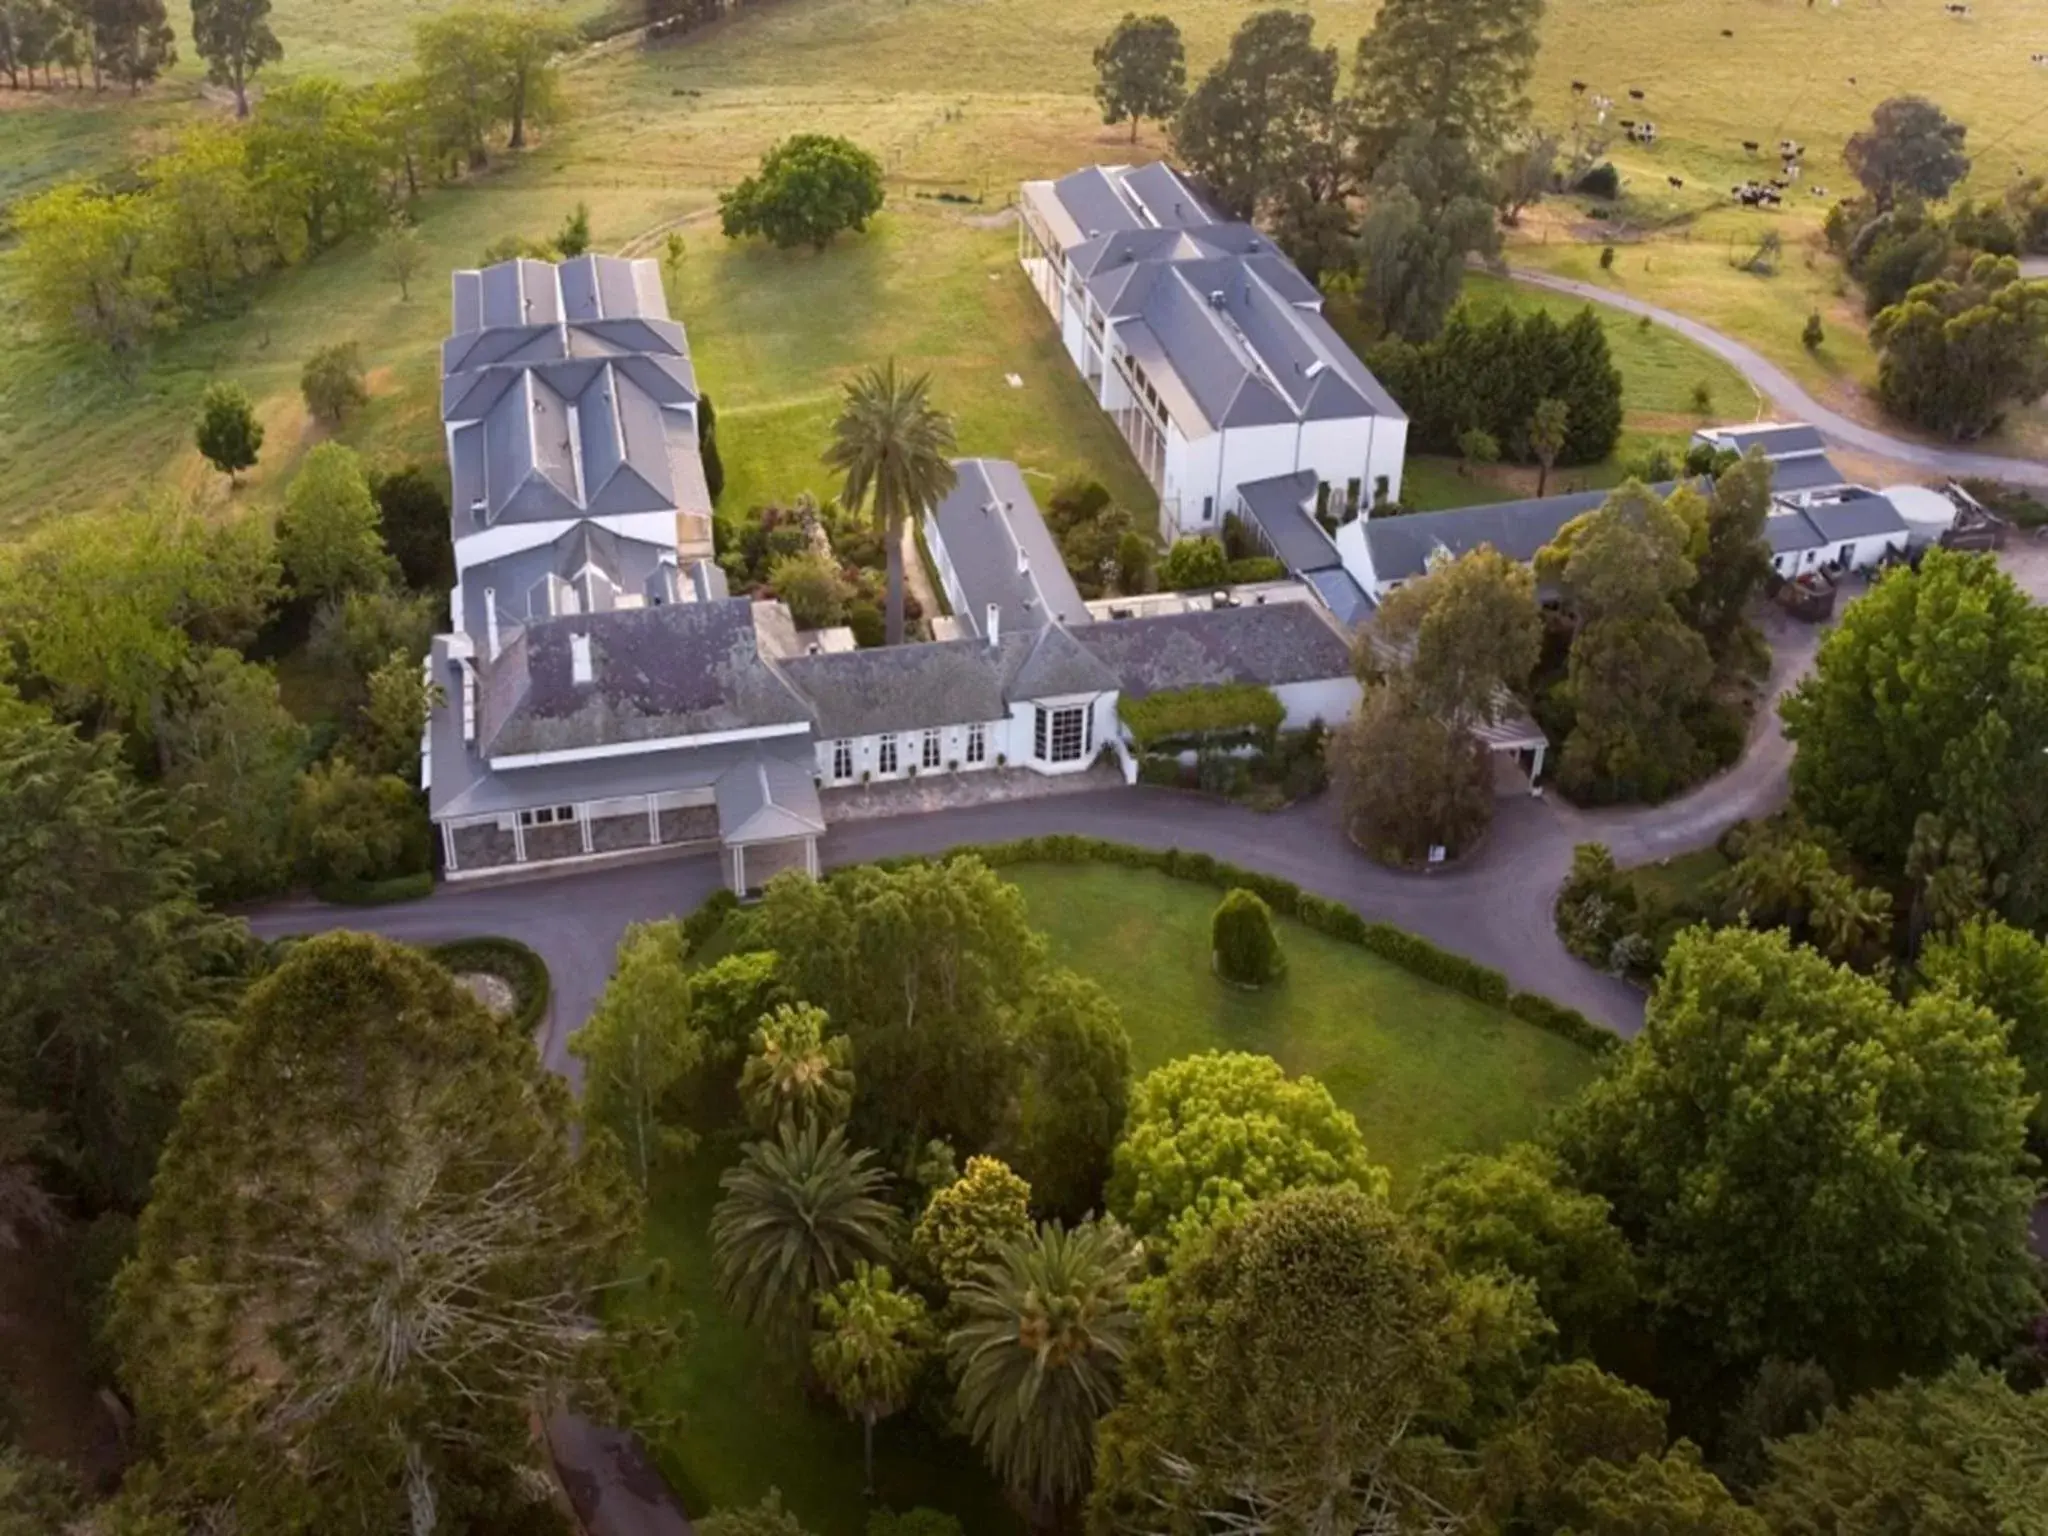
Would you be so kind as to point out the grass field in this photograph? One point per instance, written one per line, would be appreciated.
(1427, 1072)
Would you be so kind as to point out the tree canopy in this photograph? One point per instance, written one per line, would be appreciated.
(966, 1223)
(235, 39)
(1262, 119)
(809, 188)
(1808, 1168)
(368, 1120)
(1955, 357)
(1911, 148)
(2004, 969)
(1459, 68)
(1211, 1133)
(640, 1047)
(1930, 697)
(1141, 71)
(331, 532)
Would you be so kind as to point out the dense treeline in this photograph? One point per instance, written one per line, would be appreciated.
(112, 265)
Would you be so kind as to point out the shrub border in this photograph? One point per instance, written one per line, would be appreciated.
(519, 965)
(1333, 919)
(376, 893)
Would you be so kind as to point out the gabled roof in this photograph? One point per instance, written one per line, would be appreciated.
(1267, 645)
(900, 687)
(1102, 199)
(1051, 664)
(567, 391)
(1001, 552)
(1859, 514)
(601, 569)
(1778, 440)
(767, 798)
(681, 670)
(1401, 546)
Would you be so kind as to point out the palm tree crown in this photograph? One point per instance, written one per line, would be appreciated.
(797, 1071)
(892, 442)
(868, 1351)
(798, 1212)
(1047, 1325)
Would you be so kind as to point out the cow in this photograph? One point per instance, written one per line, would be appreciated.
(1634, 95)
(1955, 9)
(1578, 87)
(1751, 145)
(1676, 181)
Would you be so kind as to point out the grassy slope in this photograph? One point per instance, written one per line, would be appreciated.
(1426, 1071)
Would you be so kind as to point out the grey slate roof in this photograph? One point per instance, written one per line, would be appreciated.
(765, 798)
(535, 584)
(1787, 531)
(1858, 515)
(1051, 664)
(1280, 507)
(1777, 439)
(1266, 645)
(985, 523)
(1806, 472)
(900, 687)
(685, 669)
(1401, 546)
(567, 390)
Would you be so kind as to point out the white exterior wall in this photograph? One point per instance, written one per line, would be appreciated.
(1023, 732)
(909, 753)
(1332, 700)
(949, 579)
(1356, 555)
(1360, 448)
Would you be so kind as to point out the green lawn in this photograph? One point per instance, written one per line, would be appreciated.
(1678, 879)
(1427, 1072)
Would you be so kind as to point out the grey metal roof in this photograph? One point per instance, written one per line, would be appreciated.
(1858, 515)
(1092, 199)
(589, 561)
(901, 687)
(1002, 552)
(684, 669)
(1267, 645)
(1807, 472)
(1280, 507)
(1166, 198)
(767, 798)
(1342, 595)
(1401, 546)
(567, 391)
(1777, 439)
(1786, 530)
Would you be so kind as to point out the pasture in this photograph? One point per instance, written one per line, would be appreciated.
(963, 96)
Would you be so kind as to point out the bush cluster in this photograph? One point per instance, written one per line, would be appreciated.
(1225, 713)
(516, 964)
(1242, 941)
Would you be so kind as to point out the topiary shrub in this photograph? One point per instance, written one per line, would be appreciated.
(1243, 945)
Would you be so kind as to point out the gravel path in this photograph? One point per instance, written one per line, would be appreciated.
(1792, 399)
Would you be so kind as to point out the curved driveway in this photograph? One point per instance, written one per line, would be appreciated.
(1792, 399)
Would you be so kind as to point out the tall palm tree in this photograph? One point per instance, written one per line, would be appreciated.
(797, 1071)
(890, 441)
(1046, 1327)
(798, 1212)
(868, 1352)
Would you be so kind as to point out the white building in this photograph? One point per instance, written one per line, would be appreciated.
(1206, 346)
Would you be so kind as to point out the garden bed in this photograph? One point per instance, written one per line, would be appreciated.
(518, 972)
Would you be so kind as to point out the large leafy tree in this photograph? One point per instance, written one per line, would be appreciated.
(234, 752)
(1210, 1133)
(1265, 117)
(1431, 207)
(131, 40)
(235, 39)
(1931, 697)
(870, 1343)
(798, 1212)
(1074, 1095)
(1736, 562)
(1954, 1456)
(798, 1071)
(925, 968)
(1141, 71)
(385, 1177)
(1043, 1334)
(1284, 1376)
(331, 535)
(110, 970)
(641, 1047)
(1411, 780)
(1460, 68)
(895, 449)
(809, 188)
(83, 260)
(228, 435)
(2005, 969)
(966, 1223)
(1517, 1216)
(206, 226)
(1809, 1169)
(318, 161)
(1911, 149)
(1955, 357)
(1463, 638)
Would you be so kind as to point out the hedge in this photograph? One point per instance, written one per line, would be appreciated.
(1332, 918)
(1253, 569)
(513, 963)
(372, 893)
(1198, 712)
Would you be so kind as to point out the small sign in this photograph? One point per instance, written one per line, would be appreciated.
(1436, 853)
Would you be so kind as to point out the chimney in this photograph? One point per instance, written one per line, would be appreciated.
(491, 620)
(580, 670)
(1023, 562)
(995, 624)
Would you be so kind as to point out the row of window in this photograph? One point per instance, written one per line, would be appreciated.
(891, 751)
(547, 816)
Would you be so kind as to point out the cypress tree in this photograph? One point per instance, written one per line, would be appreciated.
(1591, 388)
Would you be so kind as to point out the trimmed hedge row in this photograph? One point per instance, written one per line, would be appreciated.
(1415, 955)
(1194, 713)
(512, 962)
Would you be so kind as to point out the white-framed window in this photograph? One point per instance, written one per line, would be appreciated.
(977, 743)
(1062, 735)
(928, 755)
(547, 815)
(842, 760)
(885, 755)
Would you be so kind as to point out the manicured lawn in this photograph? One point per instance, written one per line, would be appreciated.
(1682, 878)
(1427, 1072)
(748, 1424)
